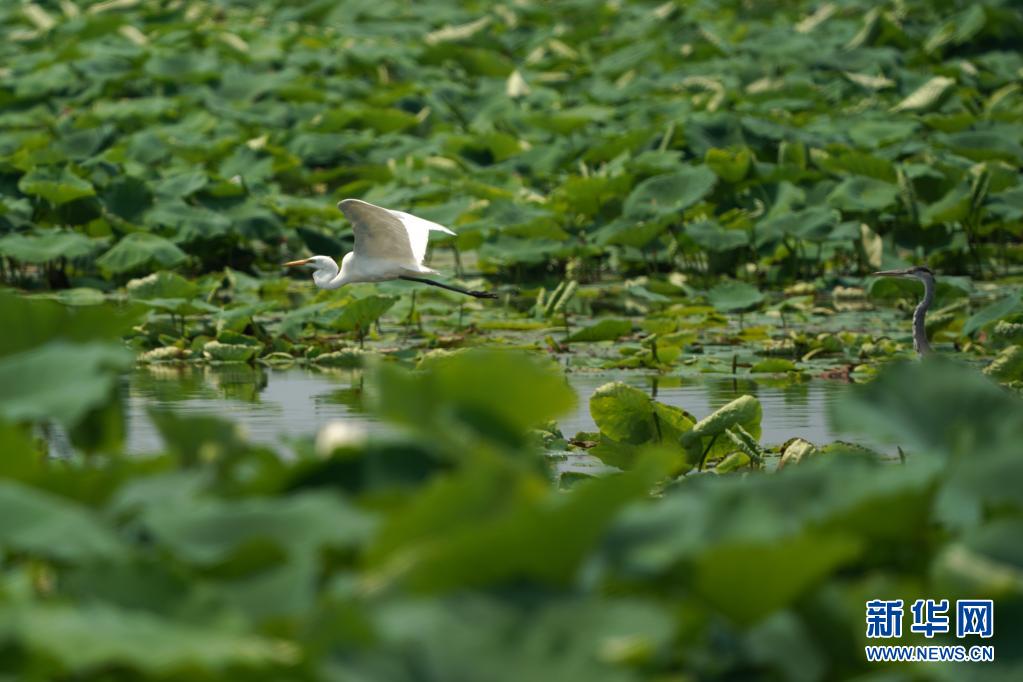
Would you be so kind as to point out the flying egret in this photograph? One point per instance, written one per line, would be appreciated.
(927, 277)
(388, 245)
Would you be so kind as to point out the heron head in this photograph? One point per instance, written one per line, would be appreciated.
(920, 272)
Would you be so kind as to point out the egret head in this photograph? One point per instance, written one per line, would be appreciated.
(313, 263)
(324, 268)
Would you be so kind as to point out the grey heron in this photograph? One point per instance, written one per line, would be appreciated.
(925, 275)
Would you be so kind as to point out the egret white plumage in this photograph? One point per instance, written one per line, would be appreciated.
(388, 245)
(925, 275)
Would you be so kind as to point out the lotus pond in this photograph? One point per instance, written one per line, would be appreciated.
(689, 439)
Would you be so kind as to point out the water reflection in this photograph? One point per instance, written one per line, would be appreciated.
(789, 408)
(271, 406)
(274, 406)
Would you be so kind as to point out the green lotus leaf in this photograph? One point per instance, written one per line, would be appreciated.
(670, 193)
(58, 185)
(863, 194)
(992, 313)
(229, 352)
(139, 250)
(732, 296)
(42, 247)
(161, 284)
(59, 380)
(707, 440)
(603, 330)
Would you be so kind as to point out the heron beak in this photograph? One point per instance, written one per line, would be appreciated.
(294, 263)
(891, 273)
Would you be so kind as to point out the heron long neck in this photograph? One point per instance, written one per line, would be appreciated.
(919, 328)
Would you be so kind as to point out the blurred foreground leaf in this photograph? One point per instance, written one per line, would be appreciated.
(60, 380)
(85, 639)
(464, 386)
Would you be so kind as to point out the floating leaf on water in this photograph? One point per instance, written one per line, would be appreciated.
(230, 336)
(278, 358)
(165, 354)
(794, 451)
(774, 366)
(352, 358)
(603, 330)
(228, 352)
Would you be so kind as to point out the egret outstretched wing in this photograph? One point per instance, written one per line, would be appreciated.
(379, 234)
(388, 235)
(419, 232)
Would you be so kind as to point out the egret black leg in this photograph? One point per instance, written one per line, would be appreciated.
(450, 287)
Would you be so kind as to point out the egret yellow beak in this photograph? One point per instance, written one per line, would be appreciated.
(293, 263)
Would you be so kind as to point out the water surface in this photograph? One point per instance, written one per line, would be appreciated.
(276, 405)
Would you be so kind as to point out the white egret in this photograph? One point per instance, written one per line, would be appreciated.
(925, 275)
(388, 245)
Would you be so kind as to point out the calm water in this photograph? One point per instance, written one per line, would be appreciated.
(274, 406)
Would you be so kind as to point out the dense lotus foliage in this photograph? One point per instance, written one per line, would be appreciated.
(673, 188)
(446, 548)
